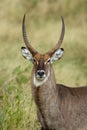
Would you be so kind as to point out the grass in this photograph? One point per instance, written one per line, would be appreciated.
(17, 109)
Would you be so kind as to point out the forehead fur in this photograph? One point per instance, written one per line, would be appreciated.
(44, 57)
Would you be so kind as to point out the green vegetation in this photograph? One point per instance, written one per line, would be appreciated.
(17, 109)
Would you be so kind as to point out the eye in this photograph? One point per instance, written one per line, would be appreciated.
(34, 60)
(48, 61)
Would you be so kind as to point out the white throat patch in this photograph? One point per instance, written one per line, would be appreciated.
(38, 83)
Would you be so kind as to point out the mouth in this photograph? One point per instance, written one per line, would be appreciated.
(41, 77)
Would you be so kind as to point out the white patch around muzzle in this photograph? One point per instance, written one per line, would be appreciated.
(38, 83)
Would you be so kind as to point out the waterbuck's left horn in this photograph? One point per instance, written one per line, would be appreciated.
(27, 43)
(60, 39)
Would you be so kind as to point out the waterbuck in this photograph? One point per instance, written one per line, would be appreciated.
(58, 107)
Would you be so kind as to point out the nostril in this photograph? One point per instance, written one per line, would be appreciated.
(40, 73)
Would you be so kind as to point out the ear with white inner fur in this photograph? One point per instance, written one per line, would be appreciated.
(57, 55)
(26, 53)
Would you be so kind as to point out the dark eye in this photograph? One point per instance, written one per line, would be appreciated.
(34, 60)
(48, 60)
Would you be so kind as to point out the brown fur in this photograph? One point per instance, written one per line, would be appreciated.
(60, 107)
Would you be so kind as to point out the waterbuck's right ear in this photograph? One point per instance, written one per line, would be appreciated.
(26, 53)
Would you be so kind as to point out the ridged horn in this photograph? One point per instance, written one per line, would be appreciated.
(60, 39)
(27, 43)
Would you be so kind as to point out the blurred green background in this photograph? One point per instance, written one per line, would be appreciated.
(43, 23)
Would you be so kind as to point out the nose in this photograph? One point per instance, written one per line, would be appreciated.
(40, 73)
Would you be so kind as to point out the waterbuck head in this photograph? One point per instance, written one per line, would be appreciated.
(42, 62)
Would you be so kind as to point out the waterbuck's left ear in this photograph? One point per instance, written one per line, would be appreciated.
(26, 53)
(57, 55)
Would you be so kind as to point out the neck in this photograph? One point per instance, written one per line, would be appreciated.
(46, 95)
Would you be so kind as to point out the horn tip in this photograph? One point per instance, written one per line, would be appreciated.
(24, 17)
(62, 19)
(63, 23)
